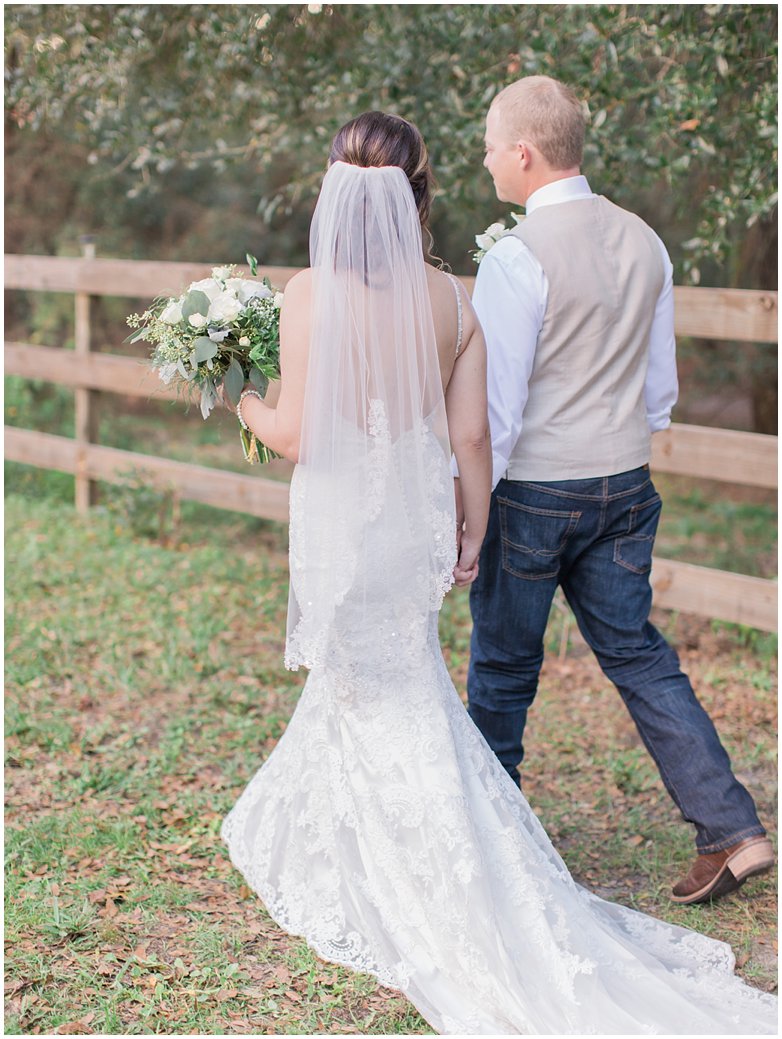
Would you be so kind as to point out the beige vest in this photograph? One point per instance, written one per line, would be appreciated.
(585, 415)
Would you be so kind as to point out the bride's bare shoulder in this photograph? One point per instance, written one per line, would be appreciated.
(441, 284)
(435, 277)
(300, 284)
(441, 293)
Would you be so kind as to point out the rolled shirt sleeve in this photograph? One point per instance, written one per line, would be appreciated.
(661, 389)
(510, 296)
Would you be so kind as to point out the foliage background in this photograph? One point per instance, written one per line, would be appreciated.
(166, 117)
(200, 132)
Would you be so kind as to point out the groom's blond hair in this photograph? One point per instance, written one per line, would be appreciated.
(548, 115)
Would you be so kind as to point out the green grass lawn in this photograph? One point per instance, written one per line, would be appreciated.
(144, 687)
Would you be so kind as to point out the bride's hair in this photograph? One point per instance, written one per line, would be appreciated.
(380, 139)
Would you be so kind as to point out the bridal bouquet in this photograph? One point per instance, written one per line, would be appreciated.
(220, 333)
(491, 236)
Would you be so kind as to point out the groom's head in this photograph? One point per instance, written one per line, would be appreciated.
(534, 135)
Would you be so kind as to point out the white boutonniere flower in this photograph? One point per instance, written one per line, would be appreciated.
(489, 238)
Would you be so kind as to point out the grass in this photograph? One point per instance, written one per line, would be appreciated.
(144, 686)
(718, 525)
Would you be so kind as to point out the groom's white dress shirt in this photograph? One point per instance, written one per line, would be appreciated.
(510, 299)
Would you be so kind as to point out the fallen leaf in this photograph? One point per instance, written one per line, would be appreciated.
(80, 1027)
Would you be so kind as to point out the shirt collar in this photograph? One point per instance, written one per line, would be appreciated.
(568, 190)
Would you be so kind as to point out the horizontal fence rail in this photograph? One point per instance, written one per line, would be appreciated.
(133, 279)
(716, 454)
(745, 315)
(253, 495)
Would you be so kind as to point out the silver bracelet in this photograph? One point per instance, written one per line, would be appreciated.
(242, 396)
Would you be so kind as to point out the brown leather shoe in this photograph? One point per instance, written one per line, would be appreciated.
(724, 871)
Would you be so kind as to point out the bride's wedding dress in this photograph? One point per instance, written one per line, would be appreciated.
(384, 831)
(382, 828)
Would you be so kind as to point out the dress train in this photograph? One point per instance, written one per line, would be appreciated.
(383, 830)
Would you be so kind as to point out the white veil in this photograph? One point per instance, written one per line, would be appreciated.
(372, 507)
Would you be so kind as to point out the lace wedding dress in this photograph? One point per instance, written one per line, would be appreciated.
(383, 829)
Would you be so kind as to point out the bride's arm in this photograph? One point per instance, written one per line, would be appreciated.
(468, 426)
(279, 427)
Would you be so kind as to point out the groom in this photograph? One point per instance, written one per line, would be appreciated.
(577, 307)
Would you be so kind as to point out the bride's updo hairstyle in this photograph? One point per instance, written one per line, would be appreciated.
(379, 139)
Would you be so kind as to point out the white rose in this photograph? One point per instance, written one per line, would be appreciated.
(224, 308)
(278, 298)
(246, 289)
(172, 314)
(490, 236)
(197, 320)
(244, 341)
(221, 273)
(210, 288)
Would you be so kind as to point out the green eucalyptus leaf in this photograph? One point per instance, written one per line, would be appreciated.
(196, 302)
(204, 349)
(253, 264)
(233, 381)
(259, 381)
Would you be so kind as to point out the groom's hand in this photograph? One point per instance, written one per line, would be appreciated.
(461, 578)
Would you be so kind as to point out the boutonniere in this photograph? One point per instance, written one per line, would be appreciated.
(492, 235)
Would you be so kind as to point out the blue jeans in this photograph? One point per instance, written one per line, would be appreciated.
(594, 538)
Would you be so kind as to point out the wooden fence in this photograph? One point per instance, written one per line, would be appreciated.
(715, 454)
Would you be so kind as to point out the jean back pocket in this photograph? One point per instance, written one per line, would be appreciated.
(533, 538)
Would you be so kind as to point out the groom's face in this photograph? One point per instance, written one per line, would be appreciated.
(503, 160)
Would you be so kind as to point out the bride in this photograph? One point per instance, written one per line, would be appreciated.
(382, 828)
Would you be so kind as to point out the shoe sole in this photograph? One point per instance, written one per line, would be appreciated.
(751, 861)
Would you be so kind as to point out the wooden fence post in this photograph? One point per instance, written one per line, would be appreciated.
(86, 419)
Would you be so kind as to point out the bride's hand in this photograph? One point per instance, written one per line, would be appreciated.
(466, 569)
